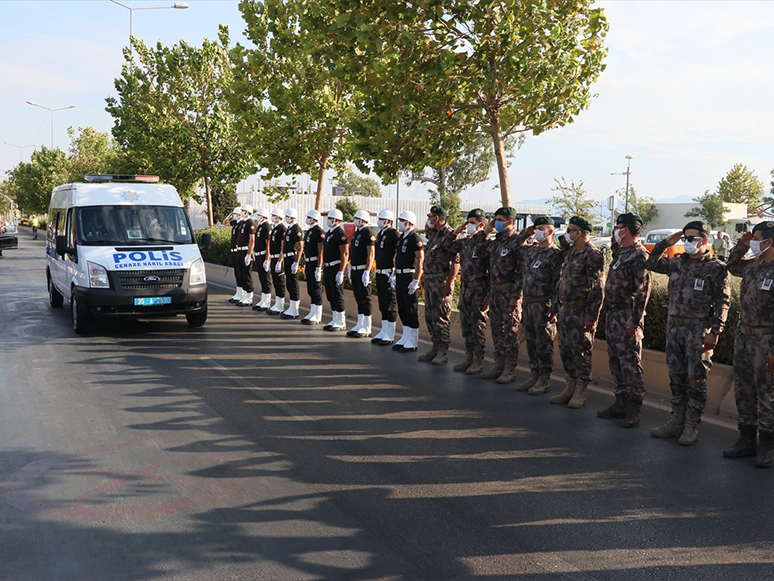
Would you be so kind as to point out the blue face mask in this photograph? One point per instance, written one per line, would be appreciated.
(500, 226)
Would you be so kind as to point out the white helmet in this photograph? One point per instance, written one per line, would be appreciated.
(409, 217)
(291, 213)
(386, 215)
(237, 210)
(248, 208)
(263, 212)
(314, 215)
(277, 213)
(335, 214)
(363, 215)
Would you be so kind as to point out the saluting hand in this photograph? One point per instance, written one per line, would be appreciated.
(745, 239)
(530, 230)
(674, 238)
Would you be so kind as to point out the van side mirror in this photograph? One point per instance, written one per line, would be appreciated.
(206, 242)
(61, 245)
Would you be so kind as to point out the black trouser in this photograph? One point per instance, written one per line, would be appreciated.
(361, 292)
(334, 292)
(291, 279)
(408, 305)
(237, 272)
(263, 276)
(313, 287)
(244, 271)
(278, 279)
(387, 304)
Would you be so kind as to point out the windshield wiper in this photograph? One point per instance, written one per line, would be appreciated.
(157, 240)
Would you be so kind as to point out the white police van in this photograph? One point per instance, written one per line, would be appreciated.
(122, 246)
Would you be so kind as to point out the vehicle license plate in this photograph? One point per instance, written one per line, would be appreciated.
(152, 301)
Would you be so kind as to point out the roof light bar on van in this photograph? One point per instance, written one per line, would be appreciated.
(98, 178)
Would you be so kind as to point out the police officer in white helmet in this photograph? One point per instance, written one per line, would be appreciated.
(232, 221)
(293, 249)
(361, 259)
(405, 280)
(314, 242)
(276, 250)
(245, 244)
(335, 257)
(384, 253)
(262, 259)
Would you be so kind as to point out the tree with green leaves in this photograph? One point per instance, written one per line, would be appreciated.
(292, 113)
(172, 117)
(31, 183)
(358, 185)
(572, 200)
(348, 208)
(741, 186)
(459, 69)
(710, 210)
(92, 151)
(642, 206)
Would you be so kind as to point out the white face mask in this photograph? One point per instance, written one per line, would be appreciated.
(403, 226)
(331, 223)
(540, 236)
(691, 247)
(618, 235)
(357, 222)
(276, 219)
(429, 224)
(755, 247)
(288, 219)
(382, 224)
(567, 237)
(471, 229)
(310, 221)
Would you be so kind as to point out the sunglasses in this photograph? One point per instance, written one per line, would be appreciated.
(692, 238)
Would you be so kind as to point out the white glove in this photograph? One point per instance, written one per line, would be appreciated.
(248, 259)
(366, 278)
(267, 265)
(318, 274)
(294, 268)
(340, 278)
(278, 267)
(391, 281)
(413, 286)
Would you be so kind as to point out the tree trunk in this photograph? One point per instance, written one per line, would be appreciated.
(208, 190)
(499, 148)
(187, 206)
(320, 182)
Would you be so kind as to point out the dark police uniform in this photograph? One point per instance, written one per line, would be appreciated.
(362, 239)
(233, 246)
(312, 238)
(293, 235)
(408, 305)
(275, 249)
(245, 229)
(262, 234)
(334, 239)
(386, 244)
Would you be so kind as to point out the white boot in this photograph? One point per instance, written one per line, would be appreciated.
(317, 316)
(365, 328)
(236, 298)
(334, 320)
(309, 316)
(389, 333)
(292, 312)
(265, 302)
(342, 322)
(279, 306)
(380, 334)
(413, 341)
(403, 338)
(247, 300)
(356, 329)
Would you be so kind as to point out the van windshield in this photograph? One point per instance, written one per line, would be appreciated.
(132, 225)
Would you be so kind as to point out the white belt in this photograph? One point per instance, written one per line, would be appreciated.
(238, 248)
(385, 271)
(290, 254)
(404, 271)
(261, 253)
(311, 259)
(334, 263)
(359, 267)
(275, 256)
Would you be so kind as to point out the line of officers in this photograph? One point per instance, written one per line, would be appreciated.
(525, 278)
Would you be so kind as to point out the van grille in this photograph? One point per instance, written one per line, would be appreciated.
(135, 279)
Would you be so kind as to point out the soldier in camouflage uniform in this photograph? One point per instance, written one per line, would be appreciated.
(474, 287)
(754, 345)
(627, 290)
(579, 296)
(440, 267)
(542, 263)
(504, 298)
(699, 297)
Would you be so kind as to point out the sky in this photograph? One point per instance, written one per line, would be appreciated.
(687, 92)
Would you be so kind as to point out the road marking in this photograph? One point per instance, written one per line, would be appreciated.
(261, 393)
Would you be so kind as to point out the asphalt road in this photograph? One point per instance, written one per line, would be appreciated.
(255, 448)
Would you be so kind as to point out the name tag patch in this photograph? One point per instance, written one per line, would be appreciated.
(767, 284)
(698, 284)
(537, 264)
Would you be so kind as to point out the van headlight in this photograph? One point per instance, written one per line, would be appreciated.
(197, 273)
(98, 277)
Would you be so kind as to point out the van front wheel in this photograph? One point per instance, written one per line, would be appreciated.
(80, 320)
(197, 319)
(54, 296)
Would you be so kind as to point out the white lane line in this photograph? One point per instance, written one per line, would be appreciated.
(261, 393)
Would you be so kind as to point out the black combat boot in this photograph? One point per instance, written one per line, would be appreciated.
(746, 445)
(633, 412)
(618, 409)
(765, 457)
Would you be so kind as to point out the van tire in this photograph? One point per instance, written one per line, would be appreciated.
(54, 296)
(197, 319)
(80, 320)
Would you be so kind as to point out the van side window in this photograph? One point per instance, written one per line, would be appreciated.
(70, 228)
(60, 223)
(51, 229)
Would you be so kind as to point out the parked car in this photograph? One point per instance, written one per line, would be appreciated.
(8, 238)
(655, 236)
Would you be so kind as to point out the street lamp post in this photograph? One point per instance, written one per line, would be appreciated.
(21, 148)
(176, 5)
(626, 173)
(52, 116)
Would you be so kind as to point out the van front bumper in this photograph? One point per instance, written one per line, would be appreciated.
(106, 302)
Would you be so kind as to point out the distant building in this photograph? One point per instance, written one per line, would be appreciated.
(673, 216)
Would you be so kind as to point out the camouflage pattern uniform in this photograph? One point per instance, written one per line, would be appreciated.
(579, 296)
(505, 282)
(539, 279)
(627, 290)
(699, 298)
(474, 287)
(438, 261)
(754, 340)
